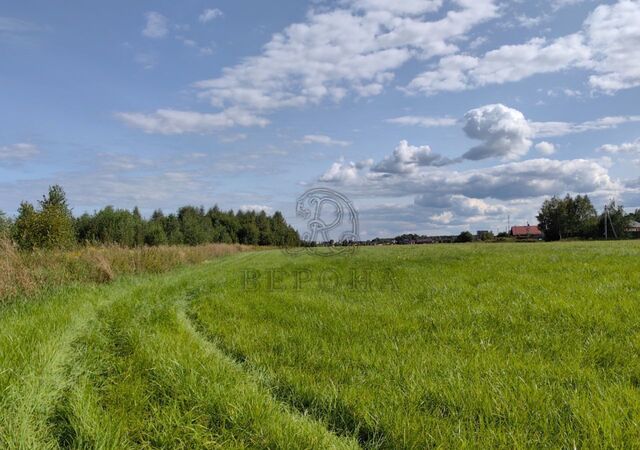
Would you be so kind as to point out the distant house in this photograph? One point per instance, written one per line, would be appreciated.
(526, 232)
(633, 227)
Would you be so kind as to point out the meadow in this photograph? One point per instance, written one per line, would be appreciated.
(442, 346)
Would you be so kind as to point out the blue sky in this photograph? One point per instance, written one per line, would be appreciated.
(434, 116)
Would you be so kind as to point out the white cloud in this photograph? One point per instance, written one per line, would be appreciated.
(508, 63)
(340, 51)
(444, 218)
(342, 173)
(553, 129)
(15, 153)
(515, 180)
(408, 158)
(411, 7)
(209, 15)
(170, 121)
(614, 36)
(424, 121)
(559, 4)
(546, 148)
(156, 26)
(608, 45)
(627, 147)
(234, 138)
(322, 140)
(256, 208)
(504, 131)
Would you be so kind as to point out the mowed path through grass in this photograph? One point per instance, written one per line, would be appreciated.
(514, 345)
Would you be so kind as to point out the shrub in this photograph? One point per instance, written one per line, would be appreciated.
(465, 236)
(49, 227)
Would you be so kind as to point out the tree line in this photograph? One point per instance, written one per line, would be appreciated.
(51, 225)
(577, 218)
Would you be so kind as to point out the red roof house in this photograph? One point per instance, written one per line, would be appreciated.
(527, 231)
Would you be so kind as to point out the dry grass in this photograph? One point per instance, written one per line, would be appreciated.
(23, 273)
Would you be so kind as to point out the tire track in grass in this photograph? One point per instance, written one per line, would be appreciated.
(36, 344)
(297, 414)
(160, 385)
(333, 413)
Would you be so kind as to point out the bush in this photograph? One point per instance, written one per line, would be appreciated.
(465, 236)
(49, 227)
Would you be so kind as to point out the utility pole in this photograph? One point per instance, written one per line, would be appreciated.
(607, 222)
(606, 225)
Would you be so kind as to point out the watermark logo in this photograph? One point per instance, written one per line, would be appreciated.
(331, 220)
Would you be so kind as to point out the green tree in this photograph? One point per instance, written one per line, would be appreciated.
(173, 230)
(465, 236)
(196, 227)
(25, 228)
(488, 236)
(615, 219)
(49, 227)
(154, 234)
(568, 218)
(5, 225)
(55, 220)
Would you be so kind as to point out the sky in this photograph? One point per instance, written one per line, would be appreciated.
(433, 116)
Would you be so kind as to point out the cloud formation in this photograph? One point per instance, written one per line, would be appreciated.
(209, 14)
(608, 46)
(424, 121)
(546, 148)
(171, 121)
(16, 153)
(354, 49)
(157, 25)
(322, 139)
(408, 158)
(627, 147)
(504, 132)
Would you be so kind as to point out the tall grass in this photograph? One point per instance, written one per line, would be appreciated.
(476, 346)
(24, 273)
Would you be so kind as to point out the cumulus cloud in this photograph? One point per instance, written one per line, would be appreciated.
(408, 158)
(157, 25)
(209, 14)
(546, 148)
(424, 121)
(457, 199)
(608, 45)
(504, 132)
(322, 140)
(16, 153)
(627, 147)
(171, 121)
(514, 180)
(355, 49)
(342, 173)
(461, 205)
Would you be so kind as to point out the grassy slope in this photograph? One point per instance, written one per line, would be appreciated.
(481, 345)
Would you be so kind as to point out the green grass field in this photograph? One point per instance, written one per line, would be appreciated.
(512, 346)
